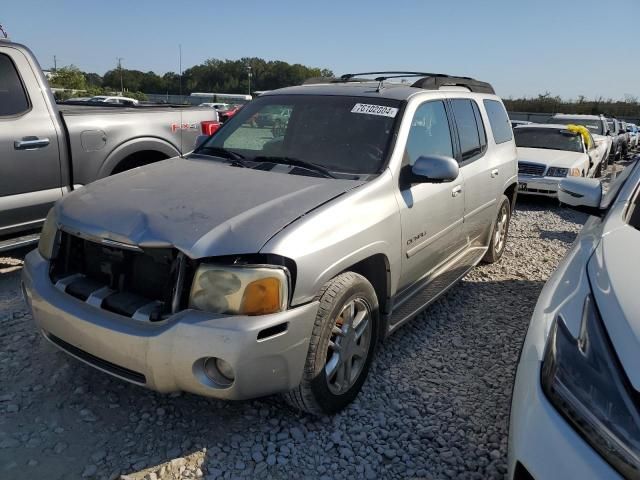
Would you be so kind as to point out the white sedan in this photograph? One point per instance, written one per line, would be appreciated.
(575, 411)
(548, 153)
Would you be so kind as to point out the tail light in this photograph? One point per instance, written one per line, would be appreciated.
(209, 127)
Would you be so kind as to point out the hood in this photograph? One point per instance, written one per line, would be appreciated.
(202, 207)
(555, 158)
(614, 273)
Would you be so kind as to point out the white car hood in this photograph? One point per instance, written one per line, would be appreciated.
(556, 158)
(614, 272)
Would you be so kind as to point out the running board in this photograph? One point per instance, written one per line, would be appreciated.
(433, 290)
(19, 242)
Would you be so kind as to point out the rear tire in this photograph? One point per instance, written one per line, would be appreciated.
(500, 232)
(341, 348)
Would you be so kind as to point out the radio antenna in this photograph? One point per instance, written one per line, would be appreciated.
(3, 32)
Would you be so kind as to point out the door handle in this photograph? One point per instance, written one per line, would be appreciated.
(30, 143)
(456, 191)
(494, 173)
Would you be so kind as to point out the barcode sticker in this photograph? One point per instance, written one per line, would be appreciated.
(380, 110)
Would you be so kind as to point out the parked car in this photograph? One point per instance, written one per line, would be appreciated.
(619, 137)
(517, 123)
(227, 114)
(52, 149)
(632, 129)
(259, 264)
(113, 99)
(575, 411)
(599, 128)
(548, 153)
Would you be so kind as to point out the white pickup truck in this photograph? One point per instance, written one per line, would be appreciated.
(47, 150)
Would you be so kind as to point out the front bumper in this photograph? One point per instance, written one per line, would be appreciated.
(545, 186)
(168, 356)
(541, 440)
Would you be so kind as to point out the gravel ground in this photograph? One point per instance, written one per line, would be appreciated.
(435, 405)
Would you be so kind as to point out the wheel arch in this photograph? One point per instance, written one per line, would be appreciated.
(155, 146)
(376, 270)
(511, 193)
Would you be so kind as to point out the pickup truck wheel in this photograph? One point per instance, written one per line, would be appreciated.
(500, 231)
(341, 348)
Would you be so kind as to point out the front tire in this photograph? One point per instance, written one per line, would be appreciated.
(500, 231)
(341, 348)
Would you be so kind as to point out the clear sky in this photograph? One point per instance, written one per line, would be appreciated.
(566, 47)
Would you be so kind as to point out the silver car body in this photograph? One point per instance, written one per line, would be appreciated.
(412, 243)
(603, 262)
(75, 145)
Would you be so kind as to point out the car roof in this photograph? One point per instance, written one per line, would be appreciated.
(552, 126)
(577, 115)
(391, 91)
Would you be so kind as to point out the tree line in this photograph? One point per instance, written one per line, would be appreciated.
(225, 76)
(546, 103)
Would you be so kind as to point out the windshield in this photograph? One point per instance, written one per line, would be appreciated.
(594, 126)
(548, 138)
(340, 133)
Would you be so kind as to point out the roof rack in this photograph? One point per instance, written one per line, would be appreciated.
(427, 81)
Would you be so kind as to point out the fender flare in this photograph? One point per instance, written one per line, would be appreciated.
(132, 146)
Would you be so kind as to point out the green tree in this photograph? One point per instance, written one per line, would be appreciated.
(69, 77)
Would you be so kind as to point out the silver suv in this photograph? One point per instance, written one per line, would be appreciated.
(273, 261)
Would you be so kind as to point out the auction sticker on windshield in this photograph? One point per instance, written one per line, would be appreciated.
(380, 110)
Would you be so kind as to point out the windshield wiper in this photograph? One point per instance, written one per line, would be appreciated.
(295, 162)
(236, 158)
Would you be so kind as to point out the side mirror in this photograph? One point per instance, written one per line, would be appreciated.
(581, 194)
(622, 131)
(434, 169)
(608, 133)
(200, 139)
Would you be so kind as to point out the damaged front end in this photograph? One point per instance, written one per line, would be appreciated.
(147, 284)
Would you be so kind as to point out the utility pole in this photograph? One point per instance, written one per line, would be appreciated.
(180, 70)
(120, 69)
(55, 64)
(249, 75)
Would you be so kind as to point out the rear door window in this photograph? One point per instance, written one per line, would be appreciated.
(499, 121)
(468, 129)
(13, 98)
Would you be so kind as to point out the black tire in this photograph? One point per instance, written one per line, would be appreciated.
(314, 395)
(496, 248)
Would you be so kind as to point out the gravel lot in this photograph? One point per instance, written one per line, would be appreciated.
(435, 405)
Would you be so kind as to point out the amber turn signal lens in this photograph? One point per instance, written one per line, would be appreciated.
(261, 297)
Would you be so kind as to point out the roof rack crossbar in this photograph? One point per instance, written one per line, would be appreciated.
(435, 82)
(397, 74)
(427, 81)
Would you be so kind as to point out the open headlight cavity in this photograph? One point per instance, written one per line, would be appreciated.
(47, 242)
(584, 380)
(240, 290)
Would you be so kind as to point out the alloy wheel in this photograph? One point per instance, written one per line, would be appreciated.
(348, 346)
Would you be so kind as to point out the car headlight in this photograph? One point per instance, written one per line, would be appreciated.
(47, 243)
(240, 290)
(583, 379)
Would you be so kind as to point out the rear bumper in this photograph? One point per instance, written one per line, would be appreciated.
(545, 186)
(168, 356)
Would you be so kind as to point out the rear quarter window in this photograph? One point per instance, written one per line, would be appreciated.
(13, 99)
(499, 121)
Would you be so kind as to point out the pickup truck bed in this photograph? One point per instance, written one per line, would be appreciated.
(47, 150)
